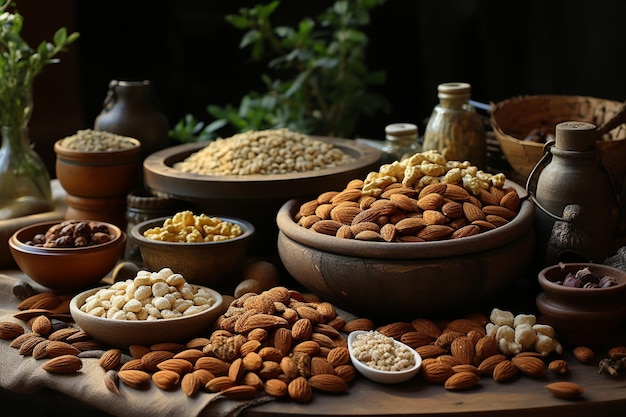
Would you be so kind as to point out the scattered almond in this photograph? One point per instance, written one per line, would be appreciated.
(565, 389)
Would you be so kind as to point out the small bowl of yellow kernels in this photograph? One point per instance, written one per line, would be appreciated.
(206, 250)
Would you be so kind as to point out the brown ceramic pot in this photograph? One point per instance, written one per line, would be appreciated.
(97, 174)
(582, 316)
(403, 281)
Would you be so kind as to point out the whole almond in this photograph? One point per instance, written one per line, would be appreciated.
(270, 353)
(432, 201)
(465, 326)
(190, 355)
(252, 362)
(431, 351)
(584, 354)
(301, 329)
(511, 201)
(369, 236)
(10, 330)
(461, 380)
(252, 379)
(165, 379)
(504, 370)
(364, 324)
(530, 366)
(320, 365)
(328, 383)
(434, 217)
(44, 301)
(565, 389)
(346, 372)
(465, 231)
(435, 232)
(180, 366)
(487, 198)
(427, 327)
(327, 227)
(338, 356)
(415, 339)
(219, 383)
(465, 368)
(26, 348)
(348, 194)
(57, 348)
(472, 213)
(152, 359)
(462, 349)
(308, 208)
(236, 370)
(289, 368)
(396, 329)
(282, 340)
(617, 352)
(40, 350)
(488, 364)
(499, 211)
(216, 366)
(485, 347)
(63, 333)
(240, 392)
(344, 214)
(190, 384)
(203, 376)
(410, 225)
(133, 364)
(135, 378)
(452, 210)
(138, 351)
(41, 325)
(434, 371)
(65, 364)
(276, 388)
(456, 193)
(404, 202)
(310, 347)
(326, 197)
(110, 359)
(447, 337)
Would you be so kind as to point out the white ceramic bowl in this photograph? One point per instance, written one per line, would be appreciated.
(384, 377)
(124, 333)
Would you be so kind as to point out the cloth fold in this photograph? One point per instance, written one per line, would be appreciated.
(24, 375)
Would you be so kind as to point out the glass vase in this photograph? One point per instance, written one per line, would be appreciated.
(24, 179)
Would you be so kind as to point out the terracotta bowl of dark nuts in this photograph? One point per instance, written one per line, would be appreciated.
(67, 256)
(584, 302)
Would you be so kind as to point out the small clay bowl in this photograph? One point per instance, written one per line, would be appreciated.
(124, 333)
(66, 270)
(582, 316)
(203, 263)
(98, 174)
(377, 375)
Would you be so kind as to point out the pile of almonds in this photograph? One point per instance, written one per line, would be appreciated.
(405, 214)
(281, 343)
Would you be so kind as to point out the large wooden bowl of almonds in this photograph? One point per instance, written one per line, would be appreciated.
(235, 177)
(403, 254)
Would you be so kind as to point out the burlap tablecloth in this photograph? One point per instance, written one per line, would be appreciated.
(24, 376)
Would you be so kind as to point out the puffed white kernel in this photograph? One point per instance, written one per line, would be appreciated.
(132, 306)
(143, 292)
(160, 288)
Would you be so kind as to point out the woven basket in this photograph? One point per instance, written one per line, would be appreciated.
(514, 119)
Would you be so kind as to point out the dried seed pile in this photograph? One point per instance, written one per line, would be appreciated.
(265, 152)
(97, 141)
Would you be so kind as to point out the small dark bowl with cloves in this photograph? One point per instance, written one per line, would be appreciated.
(584, 302)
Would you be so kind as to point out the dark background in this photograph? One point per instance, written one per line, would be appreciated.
(503, 48)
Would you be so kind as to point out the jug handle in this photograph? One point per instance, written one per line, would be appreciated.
(531, 182)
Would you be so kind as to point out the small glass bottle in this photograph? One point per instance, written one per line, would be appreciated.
(400, 141)
(454, 128)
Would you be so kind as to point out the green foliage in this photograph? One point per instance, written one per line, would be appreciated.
(20, 64)
(317, 80)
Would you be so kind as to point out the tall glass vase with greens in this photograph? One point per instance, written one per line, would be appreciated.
(24, 179)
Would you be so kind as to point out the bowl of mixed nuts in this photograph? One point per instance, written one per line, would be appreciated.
(67, 256)
(584, 302)
(205, 249)
(401, 244)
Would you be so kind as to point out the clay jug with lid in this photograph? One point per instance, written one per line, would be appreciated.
(131, 108)
(573, 198)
